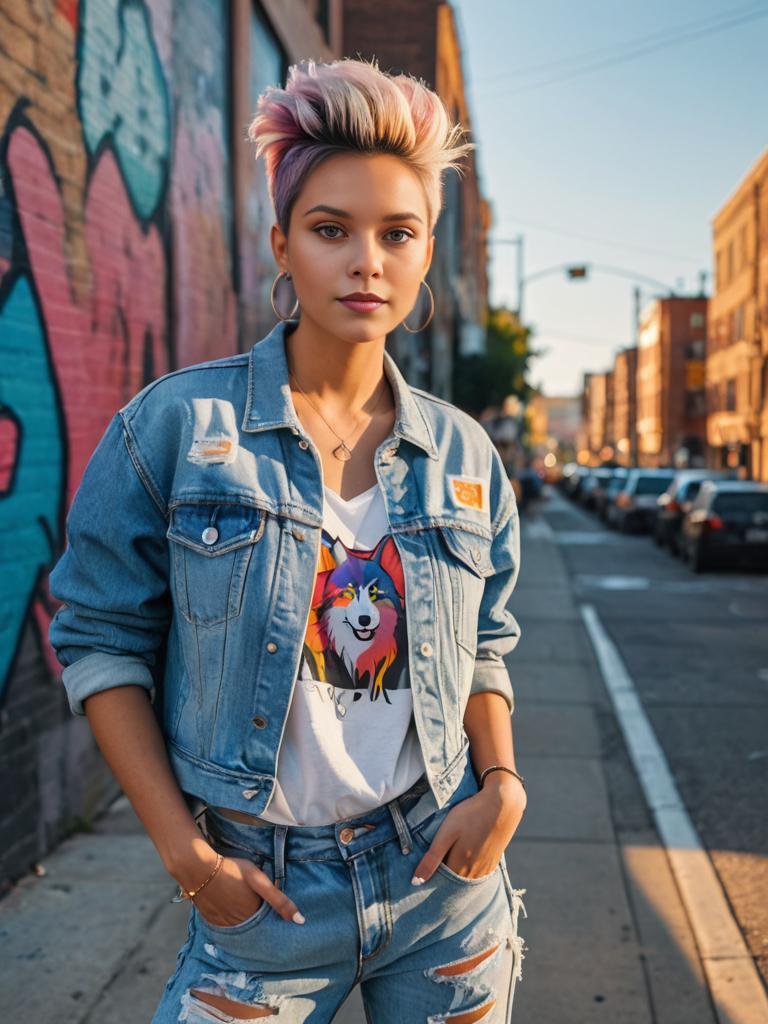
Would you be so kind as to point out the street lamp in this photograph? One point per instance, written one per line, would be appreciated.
(574, 272)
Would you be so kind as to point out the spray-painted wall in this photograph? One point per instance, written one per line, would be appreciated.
(117, 263)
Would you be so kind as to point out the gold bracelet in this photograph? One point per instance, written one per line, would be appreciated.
(502, 768)
(188, 894)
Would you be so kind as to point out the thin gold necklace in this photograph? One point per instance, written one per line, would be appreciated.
(342, 451)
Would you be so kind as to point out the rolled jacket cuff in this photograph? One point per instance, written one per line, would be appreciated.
(492, 676)
(102, 671)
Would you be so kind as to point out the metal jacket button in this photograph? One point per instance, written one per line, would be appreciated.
(271, 646)
(210, 535)
(259, 721)
(303, 443)
(426, 648)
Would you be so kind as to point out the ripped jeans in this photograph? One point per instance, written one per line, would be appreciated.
(445, 951)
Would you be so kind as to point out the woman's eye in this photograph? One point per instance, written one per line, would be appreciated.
(329, 227)
(401, 231)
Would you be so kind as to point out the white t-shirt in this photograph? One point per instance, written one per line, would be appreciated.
(350, 742)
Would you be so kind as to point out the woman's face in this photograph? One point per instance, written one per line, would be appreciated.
(359, 224)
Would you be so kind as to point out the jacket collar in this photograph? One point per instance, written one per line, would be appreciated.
(269, 402)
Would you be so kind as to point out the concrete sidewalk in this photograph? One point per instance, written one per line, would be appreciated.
(95, 938)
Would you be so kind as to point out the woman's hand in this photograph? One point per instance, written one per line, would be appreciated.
(236, 891)
(477, 831)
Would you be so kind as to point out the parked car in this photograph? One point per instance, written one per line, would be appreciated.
(573, 479)
(592, 485)
(676, 501)
(727, 525)
(612, 489)
(607, 490)
(634, 507)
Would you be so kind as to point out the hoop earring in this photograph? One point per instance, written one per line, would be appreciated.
(415, 330)
(278, 314)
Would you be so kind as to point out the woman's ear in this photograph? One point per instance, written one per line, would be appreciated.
(430, 251)
(279, 244)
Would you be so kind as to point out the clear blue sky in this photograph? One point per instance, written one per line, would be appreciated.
(624, 166)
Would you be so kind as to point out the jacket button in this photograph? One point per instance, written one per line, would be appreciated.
(347, 835)
(259, 721)
(298, 534)
(476, 554)
(426, 648)
(303, 444)
(271, 646)
(210, 535)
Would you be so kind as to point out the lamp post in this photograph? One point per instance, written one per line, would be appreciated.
(575, 272)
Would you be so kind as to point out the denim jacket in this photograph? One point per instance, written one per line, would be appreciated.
(192, 544)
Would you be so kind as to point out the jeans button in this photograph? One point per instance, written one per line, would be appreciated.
(259, 721)
(347, 835)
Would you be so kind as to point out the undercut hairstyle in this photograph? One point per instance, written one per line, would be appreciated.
(349, 105)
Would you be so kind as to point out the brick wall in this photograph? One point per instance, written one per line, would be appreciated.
(118, 261)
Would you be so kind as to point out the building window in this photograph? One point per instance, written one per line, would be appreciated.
(738, 322)
(729, 269)
(697, 320)
(730, 395)
(696, 349)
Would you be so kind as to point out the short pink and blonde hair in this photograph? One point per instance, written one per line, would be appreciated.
(350, 105)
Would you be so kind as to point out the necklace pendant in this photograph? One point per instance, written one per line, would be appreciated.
(342, 453)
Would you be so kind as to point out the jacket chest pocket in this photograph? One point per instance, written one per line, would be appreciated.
(468, 558)
(211, 547)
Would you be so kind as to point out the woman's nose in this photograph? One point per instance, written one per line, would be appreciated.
(367, 261)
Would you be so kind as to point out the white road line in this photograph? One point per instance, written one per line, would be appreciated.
(737, 990)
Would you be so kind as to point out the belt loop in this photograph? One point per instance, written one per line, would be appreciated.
(281, 832)
(403, 832)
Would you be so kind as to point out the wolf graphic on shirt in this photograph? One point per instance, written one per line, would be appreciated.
(356, 633)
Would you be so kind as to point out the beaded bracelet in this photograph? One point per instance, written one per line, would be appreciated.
(188, 894)
(501, 768)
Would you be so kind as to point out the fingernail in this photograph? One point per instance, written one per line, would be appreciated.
(417, 881)
(298, 917)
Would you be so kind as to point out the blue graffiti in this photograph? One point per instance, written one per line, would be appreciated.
(29, 522)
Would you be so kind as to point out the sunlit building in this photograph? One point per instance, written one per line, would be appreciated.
(737, 350)
(671, 400)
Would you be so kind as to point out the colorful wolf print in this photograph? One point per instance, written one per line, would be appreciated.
(356, 632)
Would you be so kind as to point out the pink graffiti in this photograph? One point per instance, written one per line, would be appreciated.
(97, 345)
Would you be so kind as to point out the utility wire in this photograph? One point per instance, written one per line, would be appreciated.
(623, 59)
(601, 51)
(592, 238)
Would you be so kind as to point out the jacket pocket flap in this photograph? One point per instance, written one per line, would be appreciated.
(470, 549)
(213, 529)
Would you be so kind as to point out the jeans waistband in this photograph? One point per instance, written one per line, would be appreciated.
(345, 839)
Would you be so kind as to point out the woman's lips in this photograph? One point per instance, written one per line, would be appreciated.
(361, 306)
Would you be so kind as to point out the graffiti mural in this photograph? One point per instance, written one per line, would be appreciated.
(115, 250)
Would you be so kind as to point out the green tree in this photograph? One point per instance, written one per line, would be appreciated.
(486, 379)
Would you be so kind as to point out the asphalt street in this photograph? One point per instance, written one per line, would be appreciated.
(696, 647)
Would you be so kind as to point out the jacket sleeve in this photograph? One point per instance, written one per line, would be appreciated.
(112, 577)
(498, 631)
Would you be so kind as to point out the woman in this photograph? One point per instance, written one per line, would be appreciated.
(294, 554)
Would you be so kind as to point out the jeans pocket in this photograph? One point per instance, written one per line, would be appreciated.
(263, 863)
(424, 835)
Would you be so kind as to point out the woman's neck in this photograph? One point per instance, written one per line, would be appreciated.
(342, 378)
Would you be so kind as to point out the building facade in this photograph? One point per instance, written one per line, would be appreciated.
(737, 351)
(625, 406)
(671, 399)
